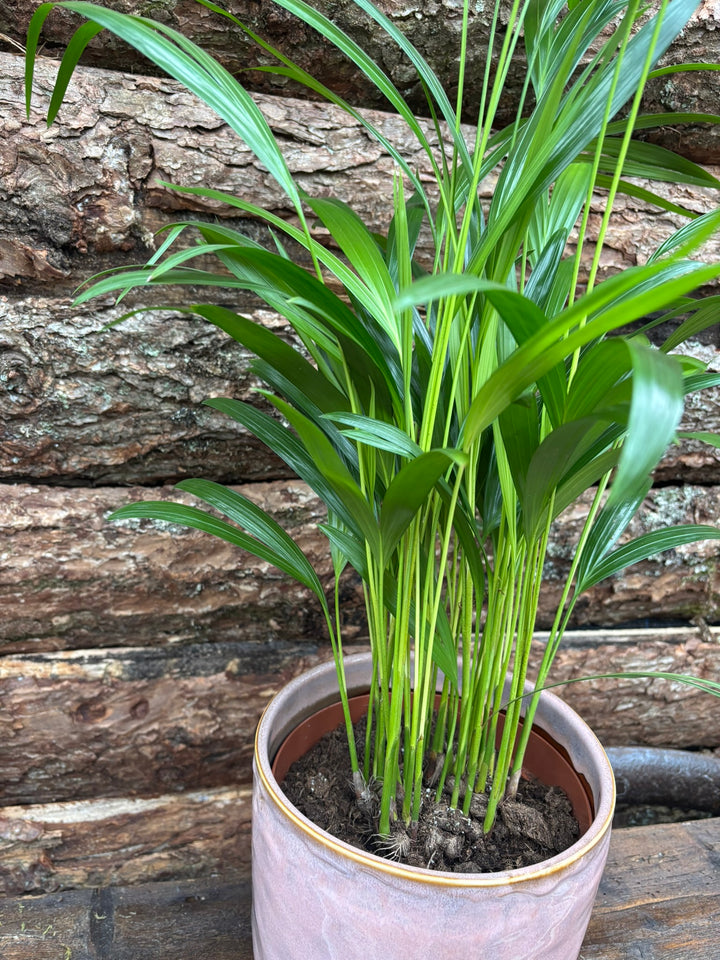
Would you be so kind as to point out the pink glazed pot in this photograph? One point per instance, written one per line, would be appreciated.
(318, 898)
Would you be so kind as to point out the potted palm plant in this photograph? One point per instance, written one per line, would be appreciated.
(446, 408)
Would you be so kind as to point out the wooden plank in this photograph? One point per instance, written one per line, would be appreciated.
(659, 900)
(432, 28)
(93, 843)
(163, 921)
(660, 896)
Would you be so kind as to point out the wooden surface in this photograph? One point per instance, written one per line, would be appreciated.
(659, 900)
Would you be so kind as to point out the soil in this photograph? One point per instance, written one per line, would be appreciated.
(535, 825)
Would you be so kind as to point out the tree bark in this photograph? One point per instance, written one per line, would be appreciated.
(86, 194)
(433, 27)
(148, 721)
(93, 406)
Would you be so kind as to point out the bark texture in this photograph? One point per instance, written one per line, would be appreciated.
(86, 194)
(132, 765)
(88, 405)
(434, 28)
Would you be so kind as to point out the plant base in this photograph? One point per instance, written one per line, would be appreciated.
(315, 896)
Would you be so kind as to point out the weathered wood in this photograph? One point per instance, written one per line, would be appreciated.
(659, 900)
(660, 896)
(433, 28)
(70, 578)
(104, 842)
(138, 722)
(163, 921)
(124, 405)
(86, 195)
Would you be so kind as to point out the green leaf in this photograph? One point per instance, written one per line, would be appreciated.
(284, 560)
(655, 411)
(645, 546)
(713, 439)
(651, 161)
(690, 235)
(288, 556)
(355, 511)
(363, 253)
(553, 460)
(284, 443)
(277, 353)
(608, 527)
(407, 493)
(31, 44)
(378, 434)
(613, 303)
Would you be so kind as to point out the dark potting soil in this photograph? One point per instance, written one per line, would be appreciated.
(535, 825)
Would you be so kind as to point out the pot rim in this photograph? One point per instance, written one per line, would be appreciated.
(599, 827)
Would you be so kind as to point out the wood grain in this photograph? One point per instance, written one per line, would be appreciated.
(111, 842)
(165, 921)
(660, 896)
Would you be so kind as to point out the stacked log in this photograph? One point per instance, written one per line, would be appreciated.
(136, 658)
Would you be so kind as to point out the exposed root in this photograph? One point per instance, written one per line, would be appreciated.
(395, 847)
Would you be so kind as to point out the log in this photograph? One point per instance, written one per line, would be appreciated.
(85, 195)
(144, 722)
(71, 579)
(434, 29)
(93, 843)
(94, 406)
(85, 405)
(647, 712)
(137, 722)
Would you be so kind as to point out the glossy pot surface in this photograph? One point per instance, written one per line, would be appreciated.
(318, 898)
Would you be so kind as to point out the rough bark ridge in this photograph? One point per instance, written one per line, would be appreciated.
(72, 579)
(434, 28)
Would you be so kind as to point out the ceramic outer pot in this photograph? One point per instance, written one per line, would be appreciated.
(318, 898)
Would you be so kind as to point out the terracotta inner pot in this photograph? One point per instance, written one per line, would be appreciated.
(544, 759)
